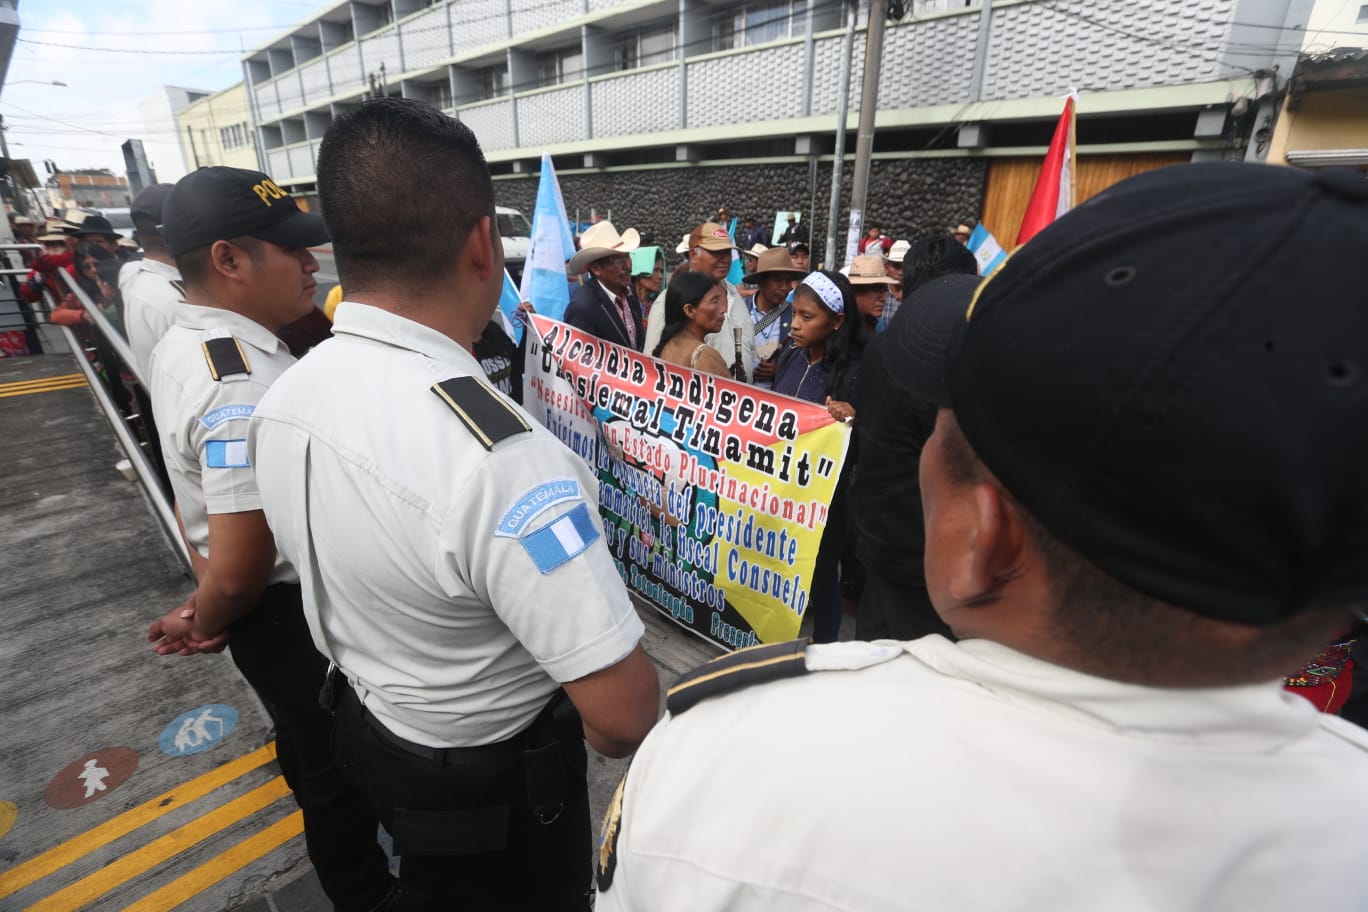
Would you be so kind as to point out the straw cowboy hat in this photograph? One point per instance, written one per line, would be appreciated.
(756, 250)
(683, 244)
(898, 252)
(774, 260)
(868, 269)
(602, 240)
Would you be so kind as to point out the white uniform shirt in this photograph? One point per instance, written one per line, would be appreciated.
(202, 422)
(414, 543)
(150, 304)
(973, 778)
(738, 317)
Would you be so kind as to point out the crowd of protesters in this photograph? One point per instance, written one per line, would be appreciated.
(802, 332)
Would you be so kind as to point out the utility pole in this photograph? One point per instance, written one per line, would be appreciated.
(842, 113)
(869, 104)
(194, 153)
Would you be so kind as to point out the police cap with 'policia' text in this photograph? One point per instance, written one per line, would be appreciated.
(217, 204)
(1173, 378)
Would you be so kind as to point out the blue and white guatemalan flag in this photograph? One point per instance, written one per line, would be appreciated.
(509, 299)
(543, 280)
(986, 250)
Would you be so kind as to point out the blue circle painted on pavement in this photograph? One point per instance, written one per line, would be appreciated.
(198, 730)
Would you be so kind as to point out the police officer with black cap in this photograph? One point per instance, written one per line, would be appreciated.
(241, 245)
(1145, 503)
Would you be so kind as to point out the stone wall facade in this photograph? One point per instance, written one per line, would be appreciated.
(907, 197)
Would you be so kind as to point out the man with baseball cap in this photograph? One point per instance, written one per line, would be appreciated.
(150, 287)
(241, 243)
(710, 252)
(1145, 503)
(893, 266)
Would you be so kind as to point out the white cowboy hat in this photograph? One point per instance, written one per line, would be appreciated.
(599, 241)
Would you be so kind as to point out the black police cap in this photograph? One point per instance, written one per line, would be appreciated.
(1173, 378)
(218, 203)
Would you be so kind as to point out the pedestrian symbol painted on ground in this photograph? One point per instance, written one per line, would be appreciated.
(90, 778)
(94, 776)
(198, 730)
(9, 813)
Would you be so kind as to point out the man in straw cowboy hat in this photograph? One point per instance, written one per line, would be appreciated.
(605, 305)
(773, 276)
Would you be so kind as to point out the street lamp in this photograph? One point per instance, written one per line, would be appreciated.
(54, 82)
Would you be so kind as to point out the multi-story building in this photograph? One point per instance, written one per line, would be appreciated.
(662, 110)
(217, 130)
(159, 112)
(1324, 121)
(91, 188)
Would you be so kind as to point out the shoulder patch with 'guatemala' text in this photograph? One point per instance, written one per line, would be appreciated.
(530, 505)
(226, 413)
(226, 454)
(561, 539)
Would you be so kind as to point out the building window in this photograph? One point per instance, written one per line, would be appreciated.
(562, 65)
(647, 47)
(1363, 13)
(441, 95)
(491, 82)
(757, 23)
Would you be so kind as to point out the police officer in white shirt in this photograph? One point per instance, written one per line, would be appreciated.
(450, 549)
(1145, 502)
(150, 287)
(241, 243)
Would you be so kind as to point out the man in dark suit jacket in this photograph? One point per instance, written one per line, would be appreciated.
(605, 304)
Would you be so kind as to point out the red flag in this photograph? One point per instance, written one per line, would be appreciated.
(1053, 194)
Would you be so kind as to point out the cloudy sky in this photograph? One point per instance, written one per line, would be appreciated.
(112, 56)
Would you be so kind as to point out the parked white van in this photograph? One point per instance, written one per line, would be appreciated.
(517, 236)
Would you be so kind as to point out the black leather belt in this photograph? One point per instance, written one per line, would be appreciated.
(501, 752)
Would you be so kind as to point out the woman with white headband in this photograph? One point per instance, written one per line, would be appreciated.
(820, 364)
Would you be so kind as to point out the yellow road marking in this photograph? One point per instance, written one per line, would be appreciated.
(215, 869)
(122, 870)
(51, 389)
(63, 854)
(40, 383)
(9, 813)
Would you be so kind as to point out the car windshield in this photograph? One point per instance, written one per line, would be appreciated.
(512, 224)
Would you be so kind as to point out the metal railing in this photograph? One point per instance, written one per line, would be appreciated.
(147, 476)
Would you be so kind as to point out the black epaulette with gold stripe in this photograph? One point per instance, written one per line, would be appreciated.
(741, 669)
(481, 410)
(225, 357)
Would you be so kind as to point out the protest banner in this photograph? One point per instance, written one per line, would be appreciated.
(713, 494)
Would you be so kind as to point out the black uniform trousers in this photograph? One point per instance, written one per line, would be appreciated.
(272, 648)
(472, 826)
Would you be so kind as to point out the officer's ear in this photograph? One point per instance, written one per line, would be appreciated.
(229, 258)
(480, 251)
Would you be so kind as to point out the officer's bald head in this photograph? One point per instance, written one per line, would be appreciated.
(401, 185)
